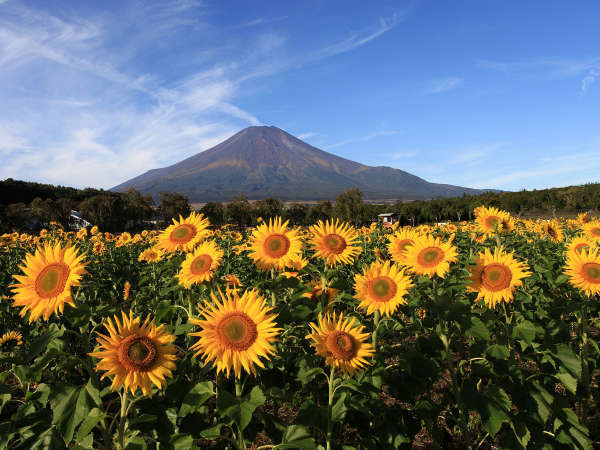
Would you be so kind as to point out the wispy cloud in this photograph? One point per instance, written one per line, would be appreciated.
(306, 135)
(443, 85)
(365, 138)
(589, 68)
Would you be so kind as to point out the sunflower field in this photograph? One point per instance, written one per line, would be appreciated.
(478, 334)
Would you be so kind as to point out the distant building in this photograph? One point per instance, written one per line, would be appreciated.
(388, 219)
(77, 221)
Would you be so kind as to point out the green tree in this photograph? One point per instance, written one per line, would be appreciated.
(268, 207)
(349, 206)
(215, 212)
(321, 211)
(172, 205)
(137, 209)
(238, 211)
(296, 214)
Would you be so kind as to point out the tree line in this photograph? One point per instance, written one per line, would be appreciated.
(38, 204)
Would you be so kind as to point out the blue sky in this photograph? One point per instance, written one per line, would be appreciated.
(479, 93)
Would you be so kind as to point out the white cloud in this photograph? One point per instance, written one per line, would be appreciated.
(306, 135)
(365, 138)
(443, 85)
(588, 80)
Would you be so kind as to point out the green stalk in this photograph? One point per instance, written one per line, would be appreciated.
(376, 318)
(507, 324)
(123, 418)
(330, 380)
(273, 296)
(584, 364)
(238, 394)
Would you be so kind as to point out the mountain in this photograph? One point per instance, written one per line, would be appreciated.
(268, 162)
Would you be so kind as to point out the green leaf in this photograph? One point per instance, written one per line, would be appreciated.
(182, 441)
(543, 399)
(297, 436)
(521, 431)
(497, 351)
(196, 397)
(478, 329)
(498, 406)
(42, 342)
(568, 380)
(92, 419)
(183, 328)
(136, 443)
(63, 400)
(338, 410)
(212, 432)
(308, 375)
(569, 360)
(240, 411)
(526, 331)
(162, 309)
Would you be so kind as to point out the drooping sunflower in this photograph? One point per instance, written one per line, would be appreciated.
(400, 242)
(335, 242)
(592, 230)
(382, 287)
(136, 354)
(583, 217)
(296, 266)
(236, 332)
(552, 231)
(151, 255)
(490, 219)
(273, 245)
(579, 244)
(200, 265)
(11, 337)
(495, 276)
(583, 270)
(232, 280)
(126, 290)
(430, 256)
(49, 275)
(341, 342)
(185, 234)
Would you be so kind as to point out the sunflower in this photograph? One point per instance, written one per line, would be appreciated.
(341, 343)
(583, 270)
(317, 290)
(490, 219)
(99, 248)
(583, 217)
(135, 354)
(382, 287)
(13, 337)
(335, 242)
(236, 332)
(430, 256)
(274, 245)
(151, 255)
(200, 265)
(232, 280)
(400, 242)
(126, 290)
(296, 265)
(184, 234)
(592, 230)
(579, 244)
(552, 231)
(495, 276)
(49, 275)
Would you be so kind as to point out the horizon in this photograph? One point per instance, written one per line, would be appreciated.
(498, 96)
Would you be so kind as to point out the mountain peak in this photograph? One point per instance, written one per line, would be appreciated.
(266, 161)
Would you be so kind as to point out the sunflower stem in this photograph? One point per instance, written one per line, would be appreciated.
(507, 326)
(376, 318)
(330, 381)
(273, 296)
(584, 364)
(123, 418)
(238, 394)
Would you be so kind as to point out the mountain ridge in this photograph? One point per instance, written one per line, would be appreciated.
(265, 161)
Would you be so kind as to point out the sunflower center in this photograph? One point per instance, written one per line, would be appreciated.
(237, 331)
(138, 353)
(276, 245)
(334, 243)
(183, 233)
(382, 288)
(592, 272)
(496, 277)
(431, 256)
(552, 232)
(581, 247)
(201, 264)
(595, 231)
(341, 345)
(51, 280)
